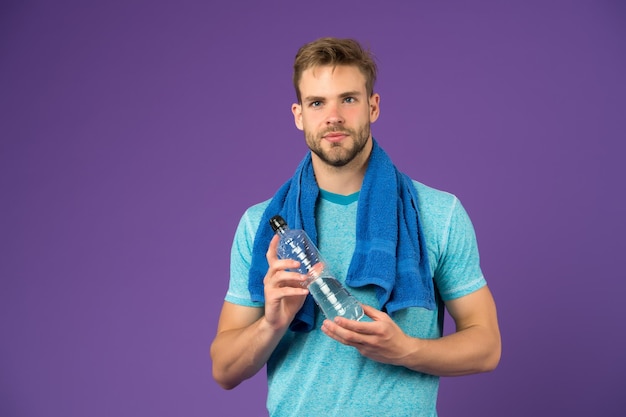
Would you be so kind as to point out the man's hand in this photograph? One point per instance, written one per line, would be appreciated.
(380, 340)
(284, 291)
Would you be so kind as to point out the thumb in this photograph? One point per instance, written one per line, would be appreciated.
(373, 313)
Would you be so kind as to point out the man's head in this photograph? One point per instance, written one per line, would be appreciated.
(334, 52)
(334, 79)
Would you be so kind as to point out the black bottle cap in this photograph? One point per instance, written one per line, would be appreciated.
(278, 223)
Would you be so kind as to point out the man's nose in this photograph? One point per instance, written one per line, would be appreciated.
(334, 115)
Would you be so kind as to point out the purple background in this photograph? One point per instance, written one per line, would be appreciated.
(135, 133)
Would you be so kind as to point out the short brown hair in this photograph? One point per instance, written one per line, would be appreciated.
(334, 51)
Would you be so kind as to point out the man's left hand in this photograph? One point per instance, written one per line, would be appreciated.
(380, 340)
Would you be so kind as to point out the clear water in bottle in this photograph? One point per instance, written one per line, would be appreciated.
(334, 300)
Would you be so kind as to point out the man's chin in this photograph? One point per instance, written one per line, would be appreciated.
(337, 158)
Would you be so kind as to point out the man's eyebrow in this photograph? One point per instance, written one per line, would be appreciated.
(354, 93)
(350, 94)
(313, 98)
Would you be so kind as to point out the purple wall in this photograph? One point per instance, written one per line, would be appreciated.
(133, 134)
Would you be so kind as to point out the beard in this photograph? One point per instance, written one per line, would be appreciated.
(341, 153)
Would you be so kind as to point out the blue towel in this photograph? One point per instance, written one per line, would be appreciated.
(390, 250)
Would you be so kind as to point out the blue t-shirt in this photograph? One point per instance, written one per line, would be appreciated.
(310, 374)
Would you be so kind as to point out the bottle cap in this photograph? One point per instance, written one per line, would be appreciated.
(278, 223)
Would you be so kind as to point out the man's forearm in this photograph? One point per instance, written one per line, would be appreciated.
(239, 354)
(471, 350)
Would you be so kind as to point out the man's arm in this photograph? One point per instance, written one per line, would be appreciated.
(247, 336)
(474, 347)
(243, 343)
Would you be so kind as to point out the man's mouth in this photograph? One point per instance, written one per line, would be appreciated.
(335, 136)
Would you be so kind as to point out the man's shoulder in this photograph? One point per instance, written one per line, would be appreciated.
(251, 217)
(257, 210)
(430, 197)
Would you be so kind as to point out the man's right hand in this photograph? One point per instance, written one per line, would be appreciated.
(284, 291)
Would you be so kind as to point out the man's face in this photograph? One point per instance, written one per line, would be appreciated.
(335, 113)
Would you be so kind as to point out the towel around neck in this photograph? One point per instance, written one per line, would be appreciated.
(390, 251)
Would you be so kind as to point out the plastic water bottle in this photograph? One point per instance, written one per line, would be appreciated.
(332, 297)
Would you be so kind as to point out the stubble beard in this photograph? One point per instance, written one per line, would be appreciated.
(340, 154)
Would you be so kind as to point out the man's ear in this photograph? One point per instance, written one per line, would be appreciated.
(296, 109)
(374, 103)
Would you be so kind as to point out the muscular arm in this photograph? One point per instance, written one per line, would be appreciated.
(474, 346)
(247, 336)
(243, 343)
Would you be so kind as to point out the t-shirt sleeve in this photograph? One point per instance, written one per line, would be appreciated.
(458, 273)
(240, 259)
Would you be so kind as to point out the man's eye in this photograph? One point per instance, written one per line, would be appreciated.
(349, 100)
(315, 103)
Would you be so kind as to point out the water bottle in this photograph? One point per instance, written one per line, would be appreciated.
(332, 297)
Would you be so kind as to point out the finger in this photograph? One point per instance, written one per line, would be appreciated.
(288, 278)
(342, 327)
(341, 334)
(333, 330)
(373, 313)
(363, 327)
(271, 250)
(345, 327)
(283, 292)
(282, 278)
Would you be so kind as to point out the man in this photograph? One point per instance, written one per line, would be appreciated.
(359, 206)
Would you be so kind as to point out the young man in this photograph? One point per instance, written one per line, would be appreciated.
(403, 249)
